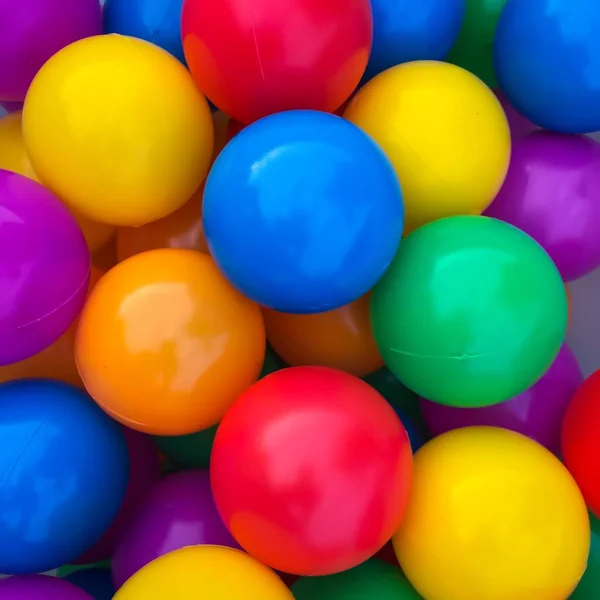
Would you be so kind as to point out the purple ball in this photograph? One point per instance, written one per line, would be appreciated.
(44, 268)
(31, 31)
(552, 193)
(40, 587)
(537, 413)
(178, 512)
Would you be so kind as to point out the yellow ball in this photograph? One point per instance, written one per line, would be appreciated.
(204, 573)
(492, 516)
(444, 131)
(117, 128)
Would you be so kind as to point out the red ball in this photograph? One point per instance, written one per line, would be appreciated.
(253, 58)
(580, 442)
(311, 470)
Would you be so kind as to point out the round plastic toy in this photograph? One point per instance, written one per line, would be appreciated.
(495, 516)
(30, 587)
(475, 301)
(13, 157)
(95, 582)
(590, 582)
(552, 192)
(546, 60)
(292, 54)
(178, 512)
(144, 472)
(64, 468)
(181, 229)
(201, 572)
(345, 460)
(581, 440)
(445, 133)
(117, 128)
(339, 338)
(473, 48)
(537, 413)
(322, 212)
(156, 21)
(31, 31)
(44, 268)
(405, 30)
(372, 579)
(165, 344)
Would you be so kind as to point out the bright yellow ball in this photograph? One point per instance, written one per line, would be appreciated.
(492, 516)
(204, 573)
(444, 131)
(117, 128)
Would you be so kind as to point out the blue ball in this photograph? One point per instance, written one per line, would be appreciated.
(407, 30)
(547, 61)
(156, 21)
(64, 468)
(416, 437)
(303, 212)
(97, 582)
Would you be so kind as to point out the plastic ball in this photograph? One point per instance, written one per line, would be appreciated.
(537, 413)
(31, 31)
(495, 516)
(302, 212)
(546, 60)
(552, 192)
(11, 107)
(404, 30)
(445, 133)
(475, 301)
(117, 128)
(199, 572)
(519, 125)
(580, 443)
(276, 56)
(42, 587)
(415, 435)
(64, 468)
(95, 582)
(340, 338)
(165, 344)
(190, 451)
(44, 268)
(589, 585)
(156, 21)
(345, 460)
(13, 157)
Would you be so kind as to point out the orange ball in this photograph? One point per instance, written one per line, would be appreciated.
(165, 344)
(181, 229)
(340, 338)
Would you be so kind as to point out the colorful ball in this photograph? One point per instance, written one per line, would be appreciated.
(42, 587)
(590, 582)
(258, 58)
(31, 31)
(404, 30)
(495, 516)
(199, 572)
(64, 470)
(415, 435)
(95, 582)
(116, 127)
(546, 60)
(518, 124)
(44, 268)
(537, 413)
(322, 212)
(552, 192)
(345, 460)
(165, 344)
(475, 301)
(445, 133)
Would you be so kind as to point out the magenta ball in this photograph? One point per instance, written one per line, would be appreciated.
(31, 31)
(11, 107)
(179, 511)
(144, 472)
(519, 125)
(552, 192)
(44, 268)
(40, 587)
(537, 413)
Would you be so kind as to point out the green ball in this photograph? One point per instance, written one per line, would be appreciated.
(471, 312)
(589, 586)
(473, 47)
(372, 580)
